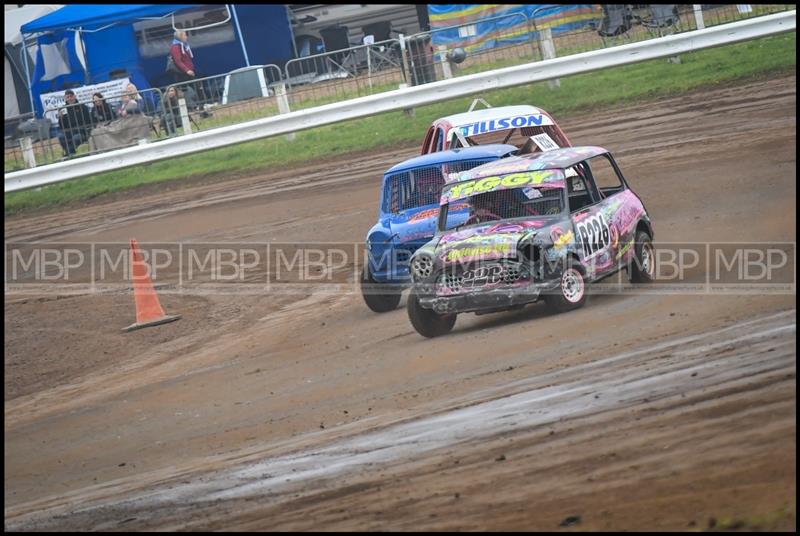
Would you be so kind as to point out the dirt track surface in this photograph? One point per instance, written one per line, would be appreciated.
(309, 412)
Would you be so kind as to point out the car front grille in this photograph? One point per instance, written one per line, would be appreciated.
(471, 277)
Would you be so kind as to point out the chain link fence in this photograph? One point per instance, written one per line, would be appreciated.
(343, 74)
(618, 24)
(491, 43)
(349, 72)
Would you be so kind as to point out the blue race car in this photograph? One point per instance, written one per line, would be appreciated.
(407, 217)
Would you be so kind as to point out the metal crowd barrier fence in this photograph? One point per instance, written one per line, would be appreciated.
(225, 99)
(105, 124)
(22, 129)
(343, 74)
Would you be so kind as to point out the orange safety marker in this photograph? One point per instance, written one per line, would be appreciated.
(148, 308)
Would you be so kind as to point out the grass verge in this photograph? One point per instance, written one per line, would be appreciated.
(655, 78)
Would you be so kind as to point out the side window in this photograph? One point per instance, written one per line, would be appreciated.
(454, 142)
(606, 177)
(580, 191)
(439, 140)
(397, 191)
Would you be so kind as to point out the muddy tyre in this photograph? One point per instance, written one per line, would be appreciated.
(571, 291)
(642, 268)
(427, 322)
(380, 298)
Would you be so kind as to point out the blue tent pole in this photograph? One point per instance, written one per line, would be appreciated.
(28, 74)
(239, 30)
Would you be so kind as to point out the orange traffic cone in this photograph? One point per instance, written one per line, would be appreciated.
(148, 308)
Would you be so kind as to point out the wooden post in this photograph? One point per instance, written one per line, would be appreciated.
(698, 16)
(369, 67)
(27, 152)
(187, 126)
(445, 62)
(548, 49)
(409, 75)
(283, 105)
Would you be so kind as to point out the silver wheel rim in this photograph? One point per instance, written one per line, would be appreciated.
(647, 258)
(572, 285)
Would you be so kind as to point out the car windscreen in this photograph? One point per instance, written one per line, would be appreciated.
(512, 136)
(522, 202)
(422, 186)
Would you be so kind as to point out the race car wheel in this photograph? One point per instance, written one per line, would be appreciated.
(643, 268)
(427, 322)
(571, 291)
(378, 297)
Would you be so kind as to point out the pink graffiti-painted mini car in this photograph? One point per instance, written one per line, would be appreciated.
(540, 224)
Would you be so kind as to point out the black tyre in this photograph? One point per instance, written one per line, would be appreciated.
(427, 322)
(642, 269)
(571, 291)
(380, 298)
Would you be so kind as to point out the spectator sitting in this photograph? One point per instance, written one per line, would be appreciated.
(133, 91)
(102, 111)
(130, 102)
(75, 122)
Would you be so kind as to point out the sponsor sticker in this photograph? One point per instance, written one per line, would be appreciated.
(532, 193)
(504, 123)
(487, 184)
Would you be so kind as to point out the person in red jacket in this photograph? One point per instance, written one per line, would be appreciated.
(182, 54)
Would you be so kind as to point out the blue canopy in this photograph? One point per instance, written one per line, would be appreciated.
(97, 15)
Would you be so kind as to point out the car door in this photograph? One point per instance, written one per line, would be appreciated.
(589, 212)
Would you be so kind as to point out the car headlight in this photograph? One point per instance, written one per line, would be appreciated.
(421, 267)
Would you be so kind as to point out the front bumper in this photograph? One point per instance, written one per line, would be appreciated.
(397, 275)
(487, 299)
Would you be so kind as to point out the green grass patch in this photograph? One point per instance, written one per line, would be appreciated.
(776, 521)
(617, 86)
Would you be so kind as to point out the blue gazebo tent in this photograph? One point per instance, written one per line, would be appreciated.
(84, 44)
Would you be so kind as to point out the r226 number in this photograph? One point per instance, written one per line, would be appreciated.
(594, 234)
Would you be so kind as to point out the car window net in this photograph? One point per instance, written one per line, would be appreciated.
(523, 202)
(423, 186)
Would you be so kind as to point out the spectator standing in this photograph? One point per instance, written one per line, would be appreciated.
(184, 59)
(75, 122)
(183, 56)
(102, 111)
